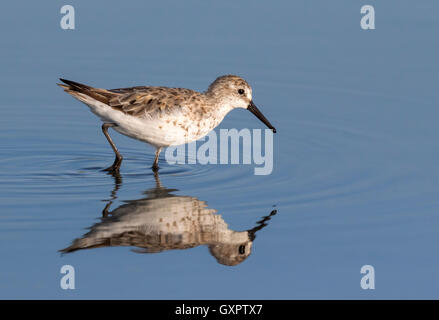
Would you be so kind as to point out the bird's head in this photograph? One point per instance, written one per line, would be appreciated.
(234, 92)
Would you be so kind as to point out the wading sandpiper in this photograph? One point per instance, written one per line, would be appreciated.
(163, 116)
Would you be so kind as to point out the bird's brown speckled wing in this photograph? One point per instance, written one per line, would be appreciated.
(151, 101)
(139, 101)
(147, 243)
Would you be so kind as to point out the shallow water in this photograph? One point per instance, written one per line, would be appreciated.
(355, 176)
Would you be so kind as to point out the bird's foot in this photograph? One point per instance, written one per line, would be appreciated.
(115, 166)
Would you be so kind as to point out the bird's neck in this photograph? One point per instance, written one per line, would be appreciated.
(220, 105)
(219, 112)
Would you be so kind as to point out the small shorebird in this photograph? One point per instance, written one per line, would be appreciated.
(163, 116)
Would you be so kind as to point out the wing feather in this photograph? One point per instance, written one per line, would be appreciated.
(150, 101)
(138, 101)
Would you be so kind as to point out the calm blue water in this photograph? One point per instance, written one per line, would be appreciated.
(356, 168)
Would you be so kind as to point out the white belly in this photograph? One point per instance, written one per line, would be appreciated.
(168, 131)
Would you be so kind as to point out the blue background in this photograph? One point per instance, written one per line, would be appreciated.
(356, 171)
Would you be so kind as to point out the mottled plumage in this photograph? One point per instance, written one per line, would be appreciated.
(163, 116)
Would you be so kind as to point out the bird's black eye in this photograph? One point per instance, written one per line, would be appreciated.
(241, 91)
(241, 249)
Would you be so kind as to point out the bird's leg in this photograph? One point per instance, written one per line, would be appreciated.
(105, 212)
(158, 184)
(117, 162)
(155, 166)
(117, 184)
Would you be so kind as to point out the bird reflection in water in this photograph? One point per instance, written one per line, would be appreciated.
(163, 221)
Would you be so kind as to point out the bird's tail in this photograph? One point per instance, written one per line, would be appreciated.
(86, 93)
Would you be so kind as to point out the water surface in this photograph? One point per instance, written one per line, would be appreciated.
(355, 177)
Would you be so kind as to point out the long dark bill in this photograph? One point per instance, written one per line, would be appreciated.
(253, 109)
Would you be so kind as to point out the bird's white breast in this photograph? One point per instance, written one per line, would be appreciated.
(166, 130)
